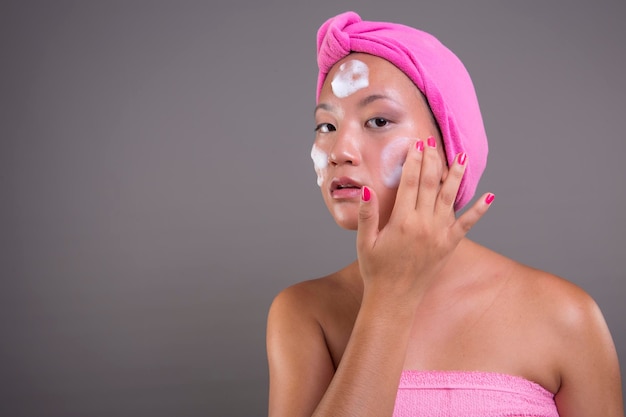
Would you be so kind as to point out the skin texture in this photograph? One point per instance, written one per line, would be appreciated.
(420, 295)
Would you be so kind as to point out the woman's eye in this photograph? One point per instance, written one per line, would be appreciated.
(325, 128)
(377, 122)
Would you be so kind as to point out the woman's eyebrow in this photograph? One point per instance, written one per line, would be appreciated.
(323, 106)
(371, 98)
(367, 100)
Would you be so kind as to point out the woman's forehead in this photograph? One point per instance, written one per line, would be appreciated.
(358, 71)
(372, 62)
(368, 74)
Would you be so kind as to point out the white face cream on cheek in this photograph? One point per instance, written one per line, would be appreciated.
(320, 162)
(392, 159)
(351, 77)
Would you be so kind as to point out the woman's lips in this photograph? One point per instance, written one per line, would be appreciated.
(345, 188)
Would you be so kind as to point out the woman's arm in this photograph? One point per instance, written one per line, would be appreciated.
(303, 381)
(590, 377)
(300, 365)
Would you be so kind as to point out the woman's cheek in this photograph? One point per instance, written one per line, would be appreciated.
(320, 163)
(392, 159)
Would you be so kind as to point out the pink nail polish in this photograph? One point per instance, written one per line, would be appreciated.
(431, 142)
(462, 158)
(489, 198)
(365, 194)
(419, 145)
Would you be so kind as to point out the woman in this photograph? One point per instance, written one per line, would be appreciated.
(424, 322)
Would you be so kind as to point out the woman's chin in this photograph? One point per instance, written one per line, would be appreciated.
(348, 225)
(348, 221)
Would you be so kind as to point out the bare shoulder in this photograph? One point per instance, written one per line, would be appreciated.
(569, 306)
(308, 299)
(576, 338)
(300, 342)
(323, 307)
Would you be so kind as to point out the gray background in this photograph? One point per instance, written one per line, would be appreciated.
(157, 190)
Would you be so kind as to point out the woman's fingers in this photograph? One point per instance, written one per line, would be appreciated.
(367, 230)
(421, 177)
(467, 220)
(430, 178)
(421, 188)
(409, 181)
(450, 187)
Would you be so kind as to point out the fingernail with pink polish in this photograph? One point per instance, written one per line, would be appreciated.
(462, 158)
(365, 194)
(419, 145)
(489, 198)
(431, 142)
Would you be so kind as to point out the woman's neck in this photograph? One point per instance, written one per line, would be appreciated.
(467, 265)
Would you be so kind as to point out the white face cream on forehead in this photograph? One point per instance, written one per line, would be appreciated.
(320, 162)
(392, 159)
(352, 76)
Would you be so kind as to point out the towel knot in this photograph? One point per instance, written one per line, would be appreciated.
(334, 41)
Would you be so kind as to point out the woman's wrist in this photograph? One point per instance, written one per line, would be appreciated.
(394, 304)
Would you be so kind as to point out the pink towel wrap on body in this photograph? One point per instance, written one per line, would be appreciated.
(433, 68)
(471, 394)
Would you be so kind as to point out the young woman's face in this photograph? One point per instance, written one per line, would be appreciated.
(369, 113)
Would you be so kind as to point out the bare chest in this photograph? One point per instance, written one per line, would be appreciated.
(493, 337)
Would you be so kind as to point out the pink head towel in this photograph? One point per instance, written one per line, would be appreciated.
(435, 70)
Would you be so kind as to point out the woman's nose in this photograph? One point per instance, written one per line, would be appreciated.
(345, 150)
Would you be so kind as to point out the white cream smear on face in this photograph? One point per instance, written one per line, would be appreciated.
(351, 77)
(320, 162)
(392, 159)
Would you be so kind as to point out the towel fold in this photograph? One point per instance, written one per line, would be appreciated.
(467, 394)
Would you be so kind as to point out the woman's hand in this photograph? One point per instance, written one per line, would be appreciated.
(422, 232)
